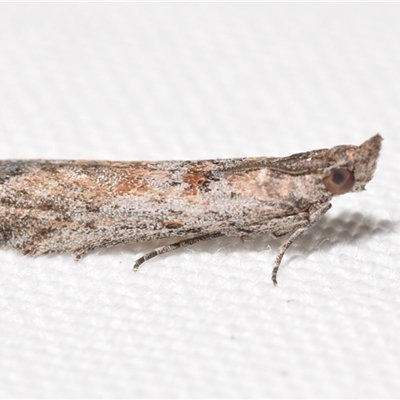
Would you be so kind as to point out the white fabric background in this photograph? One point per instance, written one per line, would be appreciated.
(190, 81)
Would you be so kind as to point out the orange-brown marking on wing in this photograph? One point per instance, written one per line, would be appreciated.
(194, 181)
(173, 224)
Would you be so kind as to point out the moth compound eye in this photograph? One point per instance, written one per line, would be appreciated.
(339, 181)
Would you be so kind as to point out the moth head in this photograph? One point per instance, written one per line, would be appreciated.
(354, 166)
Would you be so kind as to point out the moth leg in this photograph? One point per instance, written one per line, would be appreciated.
(174, 246)
(302, 220)
(81, 252)
(314, 217)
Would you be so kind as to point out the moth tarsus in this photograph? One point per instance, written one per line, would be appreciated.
(177, 245)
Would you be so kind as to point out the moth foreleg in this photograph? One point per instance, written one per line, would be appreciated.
(314, 217)
(297, 221)
(174, 246)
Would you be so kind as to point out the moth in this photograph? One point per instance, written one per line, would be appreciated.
(49, 206)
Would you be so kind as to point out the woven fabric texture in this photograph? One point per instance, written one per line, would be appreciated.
(137, 81)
